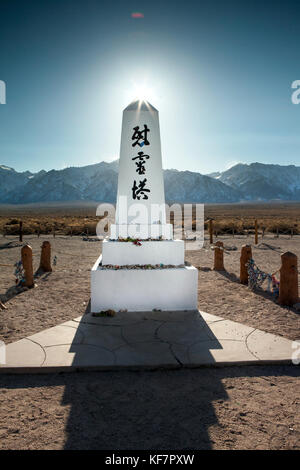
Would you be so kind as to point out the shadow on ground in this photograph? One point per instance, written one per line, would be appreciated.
(18, 289)
(11, 244)
(139, 340)
(142, 410)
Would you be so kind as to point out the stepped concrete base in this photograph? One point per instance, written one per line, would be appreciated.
(143, 289)
(141, 231)
(150, 252)
(143, 340)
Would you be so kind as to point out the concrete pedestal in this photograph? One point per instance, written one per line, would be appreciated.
(150, 252)
(143, 289)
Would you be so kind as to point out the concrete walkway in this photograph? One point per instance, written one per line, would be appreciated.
(145, 340)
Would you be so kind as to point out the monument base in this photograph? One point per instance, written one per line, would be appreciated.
(143, 289)
(149, 252)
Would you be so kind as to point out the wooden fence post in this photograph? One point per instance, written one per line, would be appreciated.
(182, 225)
(172, 219)
(45, 261)
(26, 255)
(288, 287)
(256, 232)
(219, 257)
(211, 235)
(246, 255)
(194, 218)
(21, 231)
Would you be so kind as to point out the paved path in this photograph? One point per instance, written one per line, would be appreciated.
(145, 340)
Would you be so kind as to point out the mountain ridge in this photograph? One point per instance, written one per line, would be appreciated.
(98, 182)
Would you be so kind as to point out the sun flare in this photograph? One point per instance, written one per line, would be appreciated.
(142, 92)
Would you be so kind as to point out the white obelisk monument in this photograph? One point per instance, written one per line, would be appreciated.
(141, 198)
(150, 274)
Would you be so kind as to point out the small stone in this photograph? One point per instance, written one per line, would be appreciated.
(297, 306)
(14, 431)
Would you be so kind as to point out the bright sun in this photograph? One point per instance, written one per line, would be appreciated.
(141, 92)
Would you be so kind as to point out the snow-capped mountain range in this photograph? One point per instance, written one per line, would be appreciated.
(242, 182)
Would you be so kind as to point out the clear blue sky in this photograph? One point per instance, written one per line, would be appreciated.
(219, 72)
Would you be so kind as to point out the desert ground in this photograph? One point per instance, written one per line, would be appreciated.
(253, 407)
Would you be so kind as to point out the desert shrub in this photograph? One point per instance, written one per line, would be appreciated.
(12, 222)
(12, 229)
(282, 227)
